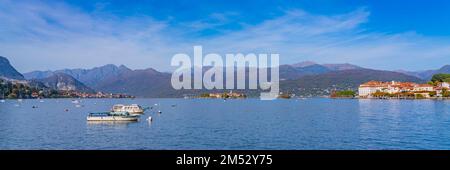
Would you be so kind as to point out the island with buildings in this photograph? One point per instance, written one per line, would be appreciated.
(404, 90)
(224, 95)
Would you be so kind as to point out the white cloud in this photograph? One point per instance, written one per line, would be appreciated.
(43, 36)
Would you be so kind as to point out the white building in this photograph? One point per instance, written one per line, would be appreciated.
(423, 87)
(445, 85)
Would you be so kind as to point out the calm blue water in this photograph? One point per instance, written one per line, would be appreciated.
(233, 124)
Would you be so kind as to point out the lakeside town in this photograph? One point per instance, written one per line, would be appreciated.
(403, 90)
(19, 89)
(437, 88)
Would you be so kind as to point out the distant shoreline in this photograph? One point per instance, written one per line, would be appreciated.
(205, 98)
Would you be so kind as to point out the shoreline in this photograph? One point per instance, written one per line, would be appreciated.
(204, 98)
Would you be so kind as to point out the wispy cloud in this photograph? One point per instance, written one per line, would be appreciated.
(36, 35)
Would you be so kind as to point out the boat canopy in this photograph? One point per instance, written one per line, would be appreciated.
(109, 114)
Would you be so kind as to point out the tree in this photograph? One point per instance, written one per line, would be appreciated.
(420, 96)
(441, 78)
(344, 93)
(445, 92)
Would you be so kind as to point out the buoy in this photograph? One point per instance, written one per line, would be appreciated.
(149, 119)
(66, 110)
(159, 111)
(34, 107)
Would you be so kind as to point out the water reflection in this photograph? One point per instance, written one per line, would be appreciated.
(234, 124)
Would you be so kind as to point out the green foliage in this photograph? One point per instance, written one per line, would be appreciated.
(343, 93)
(441, 78)
(381, 94)
(432, 93)
(12, 91)
(204, 95)
(420, 96)
(432, 83)
(446, 80)
(445, 93)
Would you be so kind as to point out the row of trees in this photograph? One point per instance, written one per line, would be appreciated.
(343, 94)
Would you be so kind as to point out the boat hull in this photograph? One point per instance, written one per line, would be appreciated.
(112, 118)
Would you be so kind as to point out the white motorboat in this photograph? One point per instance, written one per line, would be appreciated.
(112, 116)
(132, 109)
(2, 101)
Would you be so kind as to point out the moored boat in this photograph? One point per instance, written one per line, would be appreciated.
(132, 109)
(112, 116)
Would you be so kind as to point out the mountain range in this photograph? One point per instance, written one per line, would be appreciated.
(427, 74)
(305, 78)
(90, 77)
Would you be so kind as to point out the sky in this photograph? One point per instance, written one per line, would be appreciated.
(380, 34)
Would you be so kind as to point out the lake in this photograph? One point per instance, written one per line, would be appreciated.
(314, 123)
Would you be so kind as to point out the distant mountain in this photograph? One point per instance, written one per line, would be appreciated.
(339, 67)
(90, 77)
(295, 71)
(141, 83)
(61, 81)
(345, 79)
(303, 64)
(8, 71)
(427, 74)
(289, 72)
(37, 74)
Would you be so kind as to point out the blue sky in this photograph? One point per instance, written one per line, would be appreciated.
(381, 34)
